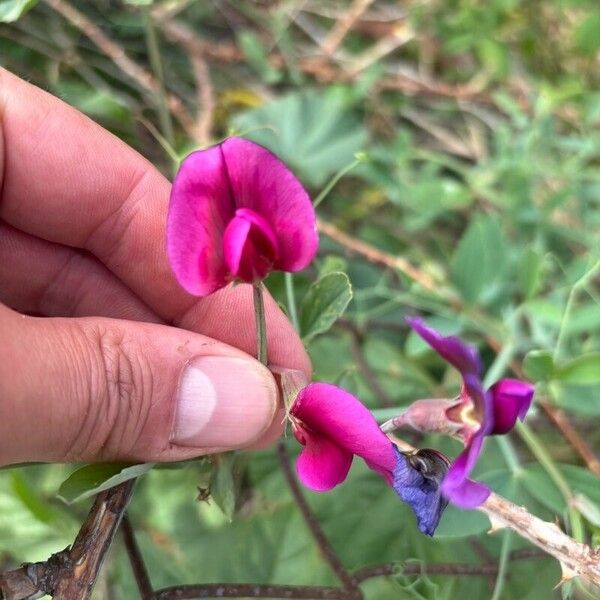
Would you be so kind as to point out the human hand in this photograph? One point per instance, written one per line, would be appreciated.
(130, 367)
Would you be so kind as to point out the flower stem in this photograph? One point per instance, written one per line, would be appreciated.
(325, 191)
(510, 455)
(544, 458)
(261, 324)
(291, 299)
(502, 565)
(166, 125)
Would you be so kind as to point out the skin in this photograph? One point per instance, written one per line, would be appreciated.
(94, 374)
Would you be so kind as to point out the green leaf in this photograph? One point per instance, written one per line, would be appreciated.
(538, 365)
(480, 260)
(92, 479)
(332, 264)
(31, 498)
(456, 522)
(315, 133)
(530, 272)
(222, 483)
(11, 10)
(583, 399)
(325, 301)
(583, 370)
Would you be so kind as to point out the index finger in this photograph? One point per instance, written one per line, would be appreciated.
(67, 180)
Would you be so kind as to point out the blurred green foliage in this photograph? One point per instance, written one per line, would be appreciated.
(482, 148)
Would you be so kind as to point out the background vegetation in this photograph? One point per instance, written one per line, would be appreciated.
(469, 133)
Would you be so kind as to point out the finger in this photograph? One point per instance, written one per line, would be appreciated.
(100, 389)
(84, 175)
(39, 277)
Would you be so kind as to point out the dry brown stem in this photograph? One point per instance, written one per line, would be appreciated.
(179, 32)
(375, 255)
(343, 25)
(72, 573)
(113, 51)
(575, 558)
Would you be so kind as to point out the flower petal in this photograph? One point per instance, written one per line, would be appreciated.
(332, 413)
(422, 490)
(457, 487)
(511, 399)
(322, 464)
(260, 181)
(249, 246)
(199, 210)
(450, 348)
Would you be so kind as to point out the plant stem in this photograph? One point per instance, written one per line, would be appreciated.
(500, 364)
(261, 325)
(349, 583)
(291, 299)
(510, 455)
(566, 316)
(544, 458)
(136, 560)
(166, 124)
(502, 566)
(325, 191)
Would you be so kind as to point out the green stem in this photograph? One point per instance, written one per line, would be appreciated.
(325, 191)
(261, 324)
(509, 453)
(502, 566)
(291, 299)
(500, 364)
(164, 116)
(539, 451)
(566, 316)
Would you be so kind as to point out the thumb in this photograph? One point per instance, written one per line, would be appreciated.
(96, 389)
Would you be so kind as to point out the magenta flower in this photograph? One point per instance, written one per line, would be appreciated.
(333, 426)
(475, 414)
(237, 213)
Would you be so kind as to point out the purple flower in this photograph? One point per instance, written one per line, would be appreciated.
(237, 213)
(333, 426)
(475, 414)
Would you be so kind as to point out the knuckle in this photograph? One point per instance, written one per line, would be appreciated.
(119, 395)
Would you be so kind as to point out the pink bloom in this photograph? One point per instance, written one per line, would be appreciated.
(333, 426)
(237, 213)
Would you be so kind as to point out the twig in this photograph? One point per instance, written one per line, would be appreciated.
(71, 574)
(575, 558)
(92, 543)
(236, 590)
(142, 77)
(560, 420)
(135, 558)
(377, 256)
(32, 580)
(459, 569)
(249, 590)
(349, 582)
(378, 51)
(178, 32)
(321, 69)
(343, 25)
